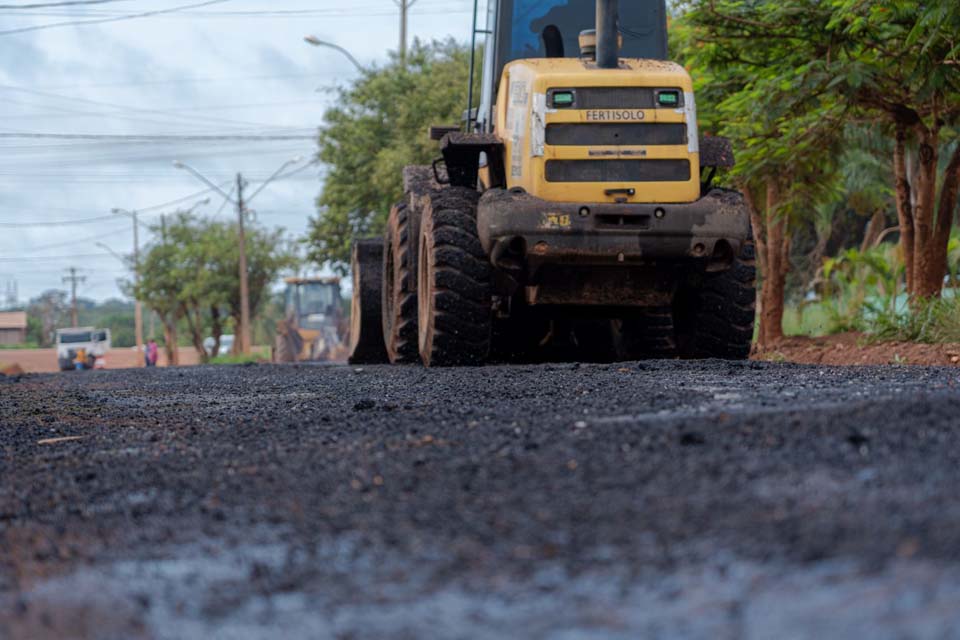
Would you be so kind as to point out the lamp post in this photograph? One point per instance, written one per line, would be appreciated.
(317, 42)
(244, 329)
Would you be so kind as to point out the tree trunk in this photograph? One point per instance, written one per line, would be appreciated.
(945, 208)
(216, 328)
(170, 340)
(925, 222)
(874, 230)
(195, 324)
(774, 247)
(904, 203)
(927, 283)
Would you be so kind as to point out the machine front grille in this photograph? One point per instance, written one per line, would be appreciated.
(613, 97)
(618, 170)
(634, 133)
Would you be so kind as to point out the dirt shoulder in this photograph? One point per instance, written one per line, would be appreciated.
(45, 360)
(858, 349)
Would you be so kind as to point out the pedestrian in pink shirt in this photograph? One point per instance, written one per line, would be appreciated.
(152, 353)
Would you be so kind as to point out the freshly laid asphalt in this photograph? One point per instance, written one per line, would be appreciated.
(656, 499)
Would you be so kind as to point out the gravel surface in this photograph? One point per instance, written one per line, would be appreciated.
(656, 499)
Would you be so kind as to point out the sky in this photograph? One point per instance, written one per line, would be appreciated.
(235, 69)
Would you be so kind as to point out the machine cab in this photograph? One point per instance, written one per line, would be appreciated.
(578, 130)
(525, 29)
(313, 302)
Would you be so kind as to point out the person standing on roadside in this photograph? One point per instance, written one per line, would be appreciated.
(153, 353)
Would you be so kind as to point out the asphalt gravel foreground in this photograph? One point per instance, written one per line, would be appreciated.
(656, 499)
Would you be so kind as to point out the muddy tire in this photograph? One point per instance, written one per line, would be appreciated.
(454, 300)
(715, 319)
(399, 280)
(366, 325)
(646, 334)
(281, 350)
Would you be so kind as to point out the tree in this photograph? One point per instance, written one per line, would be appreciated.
(379, 126)
(191, 275)
(158, 286)
(786, 148)
(50, 307)
(268, 255)
(900, 60)
(890, 63)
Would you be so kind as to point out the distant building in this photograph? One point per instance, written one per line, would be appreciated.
(13, 327)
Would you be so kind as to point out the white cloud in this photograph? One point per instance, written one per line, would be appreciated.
(177, 74)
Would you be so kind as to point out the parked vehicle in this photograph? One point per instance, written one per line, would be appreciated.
(81, 347)
(226, 345)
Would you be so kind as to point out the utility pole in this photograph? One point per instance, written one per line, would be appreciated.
(137, 307)
(404, 6)
(241, 204)
(244, 285)
(73, 279)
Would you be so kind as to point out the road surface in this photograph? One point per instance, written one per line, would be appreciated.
(658, 499)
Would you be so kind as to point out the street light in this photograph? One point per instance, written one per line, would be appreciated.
(111, 252)
(241, 237)
(317, 42)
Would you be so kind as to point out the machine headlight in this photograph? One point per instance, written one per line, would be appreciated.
(668, 98)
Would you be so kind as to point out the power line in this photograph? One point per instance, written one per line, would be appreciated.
(140, 83)
(58, 223)
(67, 257)
(61, 223)
(122, 107)
(56, 4)
(129, 16)
(151, 137)
(76, 241)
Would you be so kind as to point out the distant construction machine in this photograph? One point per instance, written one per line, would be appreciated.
(575, 211)
(311, 328)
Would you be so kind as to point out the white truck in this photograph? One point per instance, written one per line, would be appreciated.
(81, 347)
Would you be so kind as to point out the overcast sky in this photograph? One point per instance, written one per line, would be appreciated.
(233, 67)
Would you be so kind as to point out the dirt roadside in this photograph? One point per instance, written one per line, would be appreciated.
(858, 349)
(45, 360)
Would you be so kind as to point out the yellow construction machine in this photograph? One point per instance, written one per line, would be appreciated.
(575, 208)
(312, 326)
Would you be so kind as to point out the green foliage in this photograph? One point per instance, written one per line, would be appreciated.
(258, 355)
(379, 126)
(865, 291)
(190, 276)
(861, 286)
(25, 345)
(751, 69)
(931, 320)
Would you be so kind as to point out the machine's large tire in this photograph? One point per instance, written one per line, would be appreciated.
(366, 325)
(715, 319)
(646, 333)
(399, 299)
(281, 351)
(454, 299)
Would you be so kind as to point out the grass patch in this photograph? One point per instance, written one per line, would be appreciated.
(932, 321)
(811, 319)
(13, 347)
(257, 355)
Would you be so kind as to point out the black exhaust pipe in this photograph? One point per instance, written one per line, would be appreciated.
(608, 41)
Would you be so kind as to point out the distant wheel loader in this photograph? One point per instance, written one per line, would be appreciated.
(574, 218)
(312, 325)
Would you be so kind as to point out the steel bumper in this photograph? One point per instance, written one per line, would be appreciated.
(518, 225)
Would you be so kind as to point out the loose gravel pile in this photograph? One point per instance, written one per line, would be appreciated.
(656, 499)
